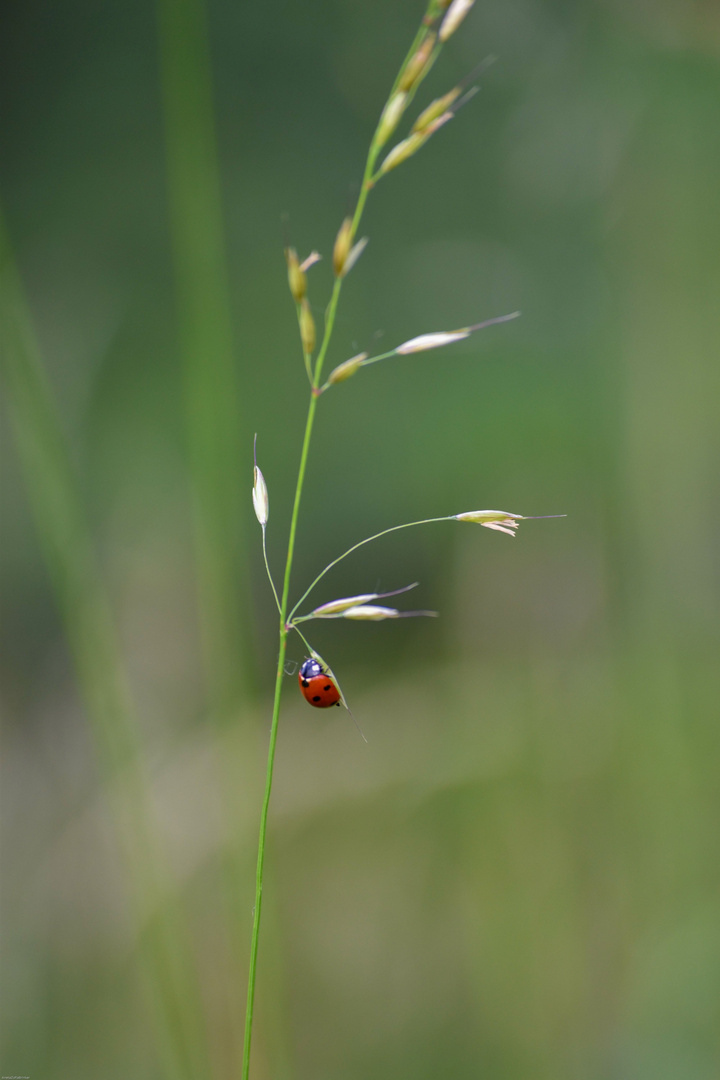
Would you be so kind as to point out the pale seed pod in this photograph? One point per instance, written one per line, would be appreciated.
(431, 341)
(343, 243)
(355, 252)
(418, 64)
(454, 16)
(336, 607)
(307, 327)
(313, 257)
(260, 497)
(498, 519)
(446, 337)
(346, 369)
(412, 144)
(296, 275)
(390, 117)
(493, 519)
(435, 109)
(371, 613)
(375, 613)
(401, 152)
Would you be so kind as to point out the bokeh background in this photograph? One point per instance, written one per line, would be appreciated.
(519, 875)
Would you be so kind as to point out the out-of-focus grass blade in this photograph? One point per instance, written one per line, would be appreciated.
(206, 342)
(70, 558)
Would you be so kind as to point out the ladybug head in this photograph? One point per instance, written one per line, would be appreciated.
(310, 668)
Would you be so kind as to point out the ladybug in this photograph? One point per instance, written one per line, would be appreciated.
(317, 686)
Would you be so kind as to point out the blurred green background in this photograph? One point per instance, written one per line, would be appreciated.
(518, 877)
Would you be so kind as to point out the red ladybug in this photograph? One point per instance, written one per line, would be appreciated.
(317, 686)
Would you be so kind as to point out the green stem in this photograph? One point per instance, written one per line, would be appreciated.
(374, 359)
(335, 297)
(329, 324)
(267, 567)
(273, 739)
(261, 856)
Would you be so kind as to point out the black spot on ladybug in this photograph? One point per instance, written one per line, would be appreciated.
(305, 682)
(316, 698)
(328, 687)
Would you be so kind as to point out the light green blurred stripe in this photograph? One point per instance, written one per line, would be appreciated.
(220, 465)
(71, 562)
(218, 469)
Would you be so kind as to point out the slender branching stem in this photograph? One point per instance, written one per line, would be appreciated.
(267, 567)
(305, 641)
(283, 632)
(283, 606)
(329, 324)
(374, 359)
(361, 543)
(363, 363)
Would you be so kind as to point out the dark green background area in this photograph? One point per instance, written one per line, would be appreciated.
(518, 876)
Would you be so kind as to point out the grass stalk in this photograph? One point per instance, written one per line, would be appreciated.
(330, 314)
(283, 633)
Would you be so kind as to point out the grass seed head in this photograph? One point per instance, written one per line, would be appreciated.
(493, 519)
(260, 497)
(371, 613)
(346, 369)
(435, 109)
(431, 341)
(376, 613)
(447, 337)
(313, 257)
(418, 64)
(296, 276)
(355, 252)
(391, 117)
(405, 149)
(336, 607)
(401, 152)
(307, 327)
(333, 608)
(454, 16)
(343, 243)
